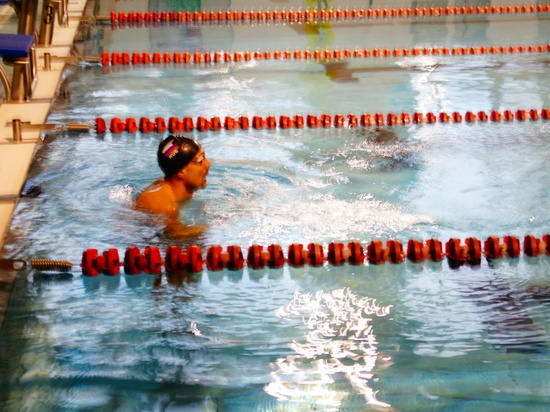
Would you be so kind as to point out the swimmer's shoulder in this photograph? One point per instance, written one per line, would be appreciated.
(156, 198)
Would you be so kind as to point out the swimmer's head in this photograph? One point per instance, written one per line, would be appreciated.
(175, 152)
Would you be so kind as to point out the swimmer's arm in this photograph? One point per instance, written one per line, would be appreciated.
(151, 202)
(174, 228)
(177, 230)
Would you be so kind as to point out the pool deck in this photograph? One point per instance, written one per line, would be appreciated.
(15, 158)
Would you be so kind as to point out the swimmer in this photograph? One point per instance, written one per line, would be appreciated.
(185, 168)
(378, 135)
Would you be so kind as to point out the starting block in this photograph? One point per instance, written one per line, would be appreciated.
(17, 50)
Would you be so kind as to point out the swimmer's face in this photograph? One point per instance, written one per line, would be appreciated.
(197, 170)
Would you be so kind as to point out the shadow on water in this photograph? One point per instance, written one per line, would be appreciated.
(540, 293)
(503, 310)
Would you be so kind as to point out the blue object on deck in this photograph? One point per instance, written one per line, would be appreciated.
(14, 46)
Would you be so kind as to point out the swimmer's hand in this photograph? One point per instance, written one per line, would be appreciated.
(177, 230)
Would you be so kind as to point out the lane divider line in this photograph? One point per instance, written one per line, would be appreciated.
(204, 124)
(198, 57)
(176, 260)
(123, 19)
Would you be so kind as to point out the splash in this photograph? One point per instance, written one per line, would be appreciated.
(121, 194)
(325, 217)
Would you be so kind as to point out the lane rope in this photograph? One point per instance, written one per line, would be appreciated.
(217, 57)
(123, 19)
(177, 260)
(204, 124)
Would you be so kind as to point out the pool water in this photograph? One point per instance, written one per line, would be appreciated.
(352, 338)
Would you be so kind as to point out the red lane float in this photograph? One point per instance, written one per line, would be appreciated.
(93, 264)
(100, 126)
(276, 257)
(458, 253)
(315, 255)
(257, 257)
(177, 261)
(416, 251)
(218, 57)
(137, 18)
(336, 255)
(149, 261)
(131, 125)
(215, 259)
(235, 258)
(434, 250)
(296, 256)
(204, 124)
(536, 247)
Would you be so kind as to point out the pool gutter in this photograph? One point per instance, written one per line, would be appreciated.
(16, 157)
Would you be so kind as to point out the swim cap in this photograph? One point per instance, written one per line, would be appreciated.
(175, 152)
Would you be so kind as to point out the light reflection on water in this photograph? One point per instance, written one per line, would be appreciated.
(340, 340)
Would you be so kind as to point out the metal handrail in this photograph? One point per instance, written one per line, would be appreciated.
(26, 12)
(5, 83)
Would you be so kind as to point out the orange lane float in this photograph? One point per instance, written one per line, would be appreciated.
(204, 124)
(298, 255)
(137, 18)
(218, 57)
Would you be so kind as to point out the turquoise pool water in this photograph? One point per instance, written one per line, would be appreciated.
(353, 338)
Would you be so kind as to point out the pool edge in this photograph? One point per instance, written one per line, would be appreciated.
(16, 158)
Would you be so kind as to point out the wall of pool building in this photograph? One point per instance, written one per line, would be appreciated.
(17, 157)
